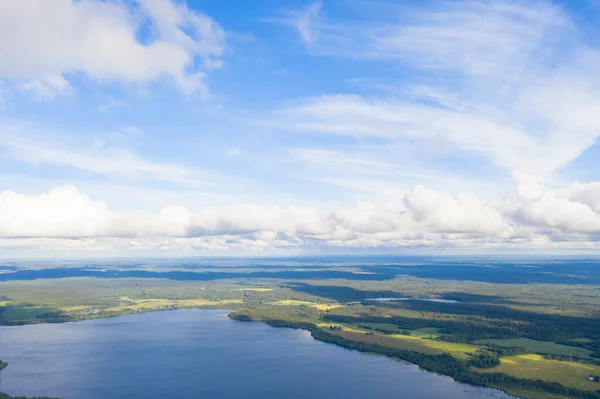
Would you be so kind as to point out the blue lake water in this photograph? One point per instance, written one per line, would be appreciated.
(203, 354)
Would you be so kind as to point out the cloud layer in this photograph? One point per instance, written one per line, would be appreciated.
(423, 217)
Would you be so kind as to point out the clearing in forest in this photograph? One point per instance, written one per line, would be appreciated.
(536, 367)
(408, 342)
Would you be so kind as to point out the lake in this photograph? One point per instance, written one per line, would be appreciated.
(203, 354)
(412, 299)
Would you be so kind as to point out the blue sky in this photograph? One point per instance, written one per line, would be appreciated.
(163, 127)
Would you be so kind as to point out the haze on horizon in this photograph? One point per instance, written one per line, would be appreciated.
(164, 127)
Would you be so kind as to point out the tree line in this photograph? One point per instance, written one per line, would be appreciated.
(443, 364)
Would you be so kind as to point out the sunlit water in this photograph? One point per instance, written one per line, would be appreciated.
(202, 354)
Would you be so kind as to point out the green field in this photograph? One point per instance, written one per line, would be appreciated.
(23, 313)
(535, 367)
(412, 343)
(534, 346)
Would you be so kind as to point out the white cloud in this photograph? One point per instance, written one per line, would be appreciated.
(572, 210)
(500, 141)
(438, 36)
(26, 143)
(49, 40)
(509, 82)
(63, 212)
(464, 213)
(307, 21)
(584, 193)
(423, 218)
(3, 99)
(47, 88)
(103, 161)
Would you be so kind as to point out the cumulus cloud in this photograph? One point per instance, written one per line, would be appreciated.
(51, 40)
(540, 217)
(62, 212)
(571, 210)
(465, 213)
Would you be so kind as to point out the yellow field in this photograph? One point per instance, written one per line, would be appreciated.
(535, 367)
(293, 302)
(128, 305)
(4, 303)
(407, 342)
(320, 306)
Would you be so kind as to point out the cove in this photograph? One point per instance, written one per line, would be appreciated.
(203, 354)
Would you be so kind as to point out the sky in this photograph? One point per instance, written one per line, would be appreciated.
(174, 128)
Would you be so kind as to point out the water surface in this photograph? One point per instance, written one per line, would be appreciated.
(438, 300)
(203, 354)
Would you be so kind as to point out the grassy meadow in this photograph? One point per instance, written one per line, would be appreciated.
(536, 367)
(409, 342)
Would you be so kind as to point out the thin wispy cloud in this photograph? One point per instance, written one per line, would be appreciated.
(96, 158)
(509, 82)
(111, 104)
(307, 23)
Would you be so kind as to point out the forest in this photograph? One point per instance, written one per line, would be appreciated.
(534, 339)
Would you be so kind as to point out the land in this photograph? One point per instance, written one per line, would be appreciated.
(5, 396)
(534, 346)
(536, 367)
(537, 338)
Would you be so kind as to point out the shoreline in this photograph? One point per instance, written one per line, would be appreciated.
(315, 332)
(444, 364)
